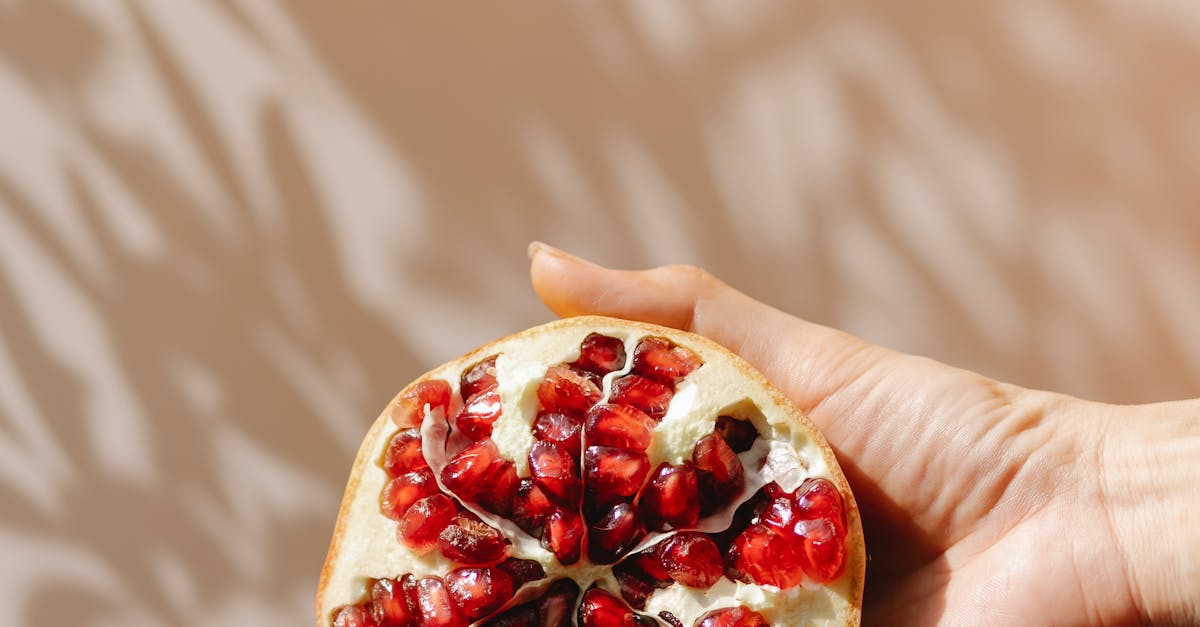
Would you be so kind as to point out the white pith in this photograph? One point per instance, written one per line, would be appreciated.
(368, 547)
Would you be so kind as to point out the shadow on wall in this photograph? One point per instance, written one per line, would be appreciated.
(230, 231)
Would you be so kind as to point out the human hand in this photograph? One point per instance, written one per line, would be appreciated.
(983, 503)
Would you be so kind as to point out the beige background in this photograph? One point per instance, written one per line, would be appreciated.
(229, 231)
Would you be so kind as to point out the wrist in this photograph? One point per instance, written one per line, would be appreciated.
(1149, 464)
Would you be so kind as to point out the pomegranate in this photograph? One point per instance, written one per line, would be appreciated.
(594, 472)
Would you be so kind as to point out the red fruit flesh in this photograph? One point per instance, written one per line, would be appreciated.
(719, 471)
(818, 498)
(692, 559)
(618, 531)
(566, 390)
(601, 354)
(733, 617)
(410, 409)
(479, 414)
(622, 426)
(479, 591)
(764, 556)
(471, 542)
(612, 474)
(657, 359)
(647, 395)
(522, 571)
(601, 609)
(435, 606)
(424, 521)
(388, 606)
(556, 473)
(462, 474)
(563, 535)
(671, 500)
(738, 434)
(480, 377)
(823, 548)
(530, 508)
(353, 616)
(561, 429)
(401, 492)
(557, 605)
(404, 453)
(500, 484)
(670, 619)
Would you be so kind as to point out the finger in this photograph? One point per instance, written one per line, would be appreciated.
(784, 348)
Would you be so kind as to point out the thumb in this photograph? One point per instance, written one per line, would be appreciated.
(784, 348)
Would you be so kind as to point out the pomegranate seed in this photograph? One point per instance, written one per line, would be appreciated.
(824, 549)
(670, 619)
(557, 605)
(568, 391)
(692, 559)
(635, 590)
(353, 616)
(530, 508)
(409, 410)
(601, 609)
(656, 358)
(388, 606)
(622, 426)
(480, 377)
(779, 514)
(639, 575)
(819, 498)
(738, 434)
(479, 414)
(479, 474)
(471, 542)
(561, 429)
(421, 524)
(719, 471)
(435, 605)
(618, 531)
(408, 585)
(555, 472)
(642, 393)
(733, 617)
(500, 484)
(646, 565)
(401, 492)
(479, 591)
(671, 499)
(601, 354)
(563, 535)
(404, 453)
(522, 571)
(765, 556)
(613, 474)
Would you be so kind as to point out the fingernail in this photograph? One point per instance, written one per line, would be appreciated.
(536, 247)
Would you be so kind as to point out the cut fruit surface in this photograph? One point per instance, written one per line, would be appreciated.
(594, 472)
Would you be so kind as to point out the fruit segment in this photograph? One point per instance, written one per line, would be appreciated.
(589, 496)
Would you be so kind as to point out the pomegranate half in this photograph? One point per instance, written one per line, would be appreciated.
(595, 472)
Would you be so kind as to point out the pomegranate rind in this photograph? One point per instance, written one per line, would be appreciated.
(364, 546)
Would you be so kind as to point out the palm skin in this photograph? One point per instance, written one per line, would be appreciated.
(983, 503)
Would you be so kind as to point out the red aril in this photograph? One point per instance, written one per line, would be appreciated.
(471, 542)
(738, 616)
(622, 426)
(478, 592)
(561, 429)
(388, 606)
(478, 415)
(572, 444)
(404, 453)
(692, 559)
(651, 397)
(479, 378)
(671, 500)
(421, 525)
